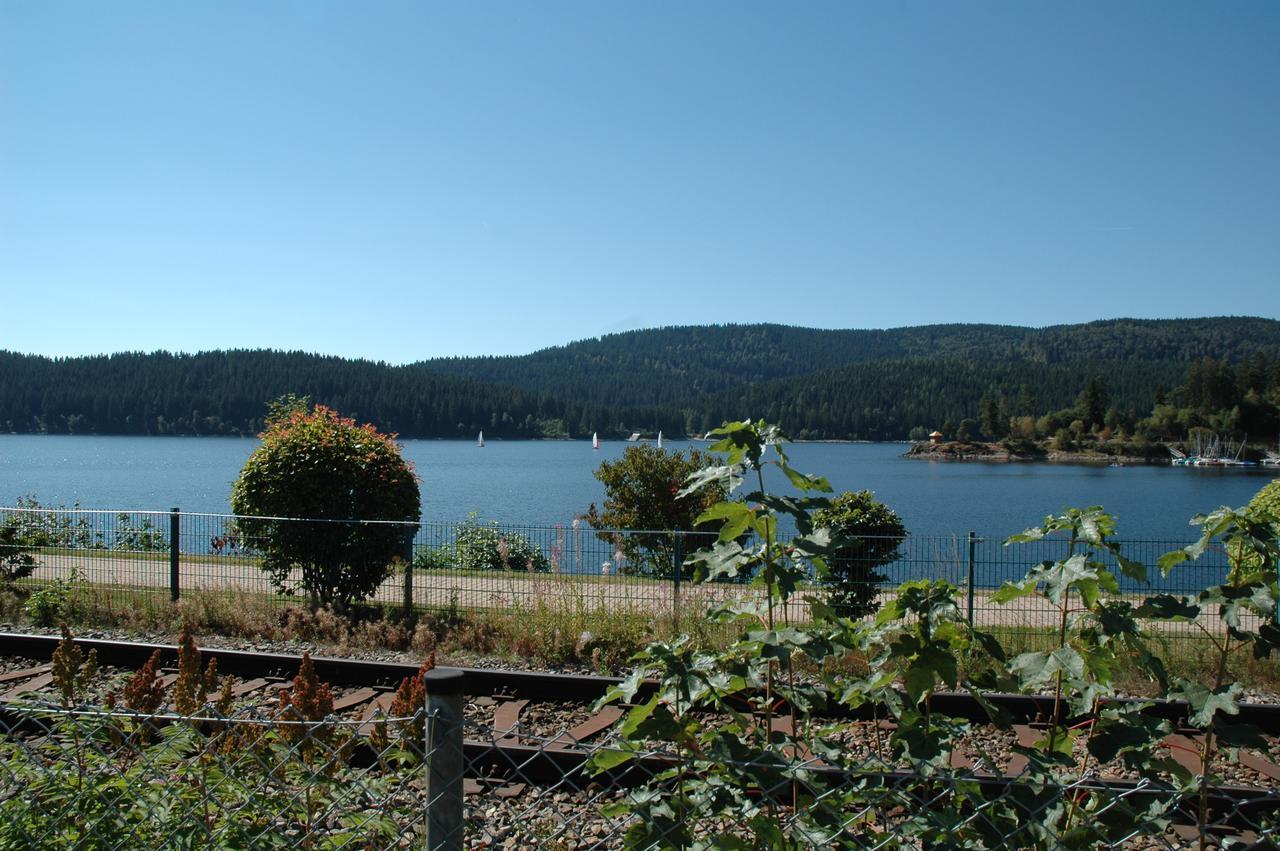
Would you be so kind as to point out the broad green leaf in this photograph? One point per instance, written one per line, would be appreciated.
(1168, 607)
(1134, 570)
(816, 543)
(1039, 667)
(1111, 737)
(723, 559)
(638, 714)
(1117, 617)
(917, 680)
(1088, 589)
(1011, 591)
(603, 759)
(1267, 641)
(1203, 703)
(1067, 574)
(731, 474)
(732, 610)
(624, 691)
(736, 518)
(803, 481)
(1170, 560)
(1057, 740)
(1027, 536)
(990, 644)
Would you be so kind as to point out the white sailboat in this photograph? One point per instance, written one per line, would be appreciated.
(659, 438)
(480, 439)
(595, 440)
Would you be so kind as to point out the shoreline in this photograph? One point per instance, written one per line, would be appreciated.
(993, 453)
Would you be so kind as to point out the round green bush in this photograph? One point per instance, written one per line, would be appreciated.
(338, 477)
(1265, 505)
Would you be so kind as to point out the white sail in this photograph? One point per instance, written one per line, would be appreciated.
(480, 439)
(659, 438)
(595, 440)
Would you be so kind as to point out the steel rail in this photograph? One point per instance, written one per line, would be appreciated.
(583, 688)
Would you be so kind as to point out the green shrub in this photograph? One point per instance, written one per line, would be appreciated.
(480, 546)
(643, 496)
(49, 605)
(317, 465)
(1265, 505)
(866, 534)
(433, 558)
(16, 560)
(140, 537)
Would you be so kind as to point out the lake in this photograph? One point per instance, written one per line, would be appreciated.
(540, 483)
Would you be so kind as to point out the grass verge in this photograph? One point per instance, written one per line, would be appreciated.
(577, 629)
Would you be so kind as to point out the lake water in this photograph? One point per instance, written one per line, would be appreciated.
(540, 483)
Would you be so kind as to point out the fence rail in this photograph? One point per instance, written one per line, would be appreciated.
(474, 565)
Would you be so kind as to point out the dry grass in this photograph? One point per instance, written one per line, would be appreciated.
(542, 630)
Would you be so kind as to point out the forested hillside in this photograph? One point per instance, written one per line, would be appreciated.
(816, 383)
(227, 392)
(886, 400)
(671, 365)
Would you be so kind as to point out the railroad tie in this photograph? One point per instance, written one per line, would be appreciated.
(1185, 751)
(378, 706)
(24, 673)
(782, 724)
(597, 723)
(355, 698)
(30, 685)
(506, 720)
(1027, 737)
(1263, 766)
(1217, 833)
(248, 686)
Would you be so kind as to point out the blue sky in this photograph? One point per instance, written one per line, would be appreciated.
(406, 180)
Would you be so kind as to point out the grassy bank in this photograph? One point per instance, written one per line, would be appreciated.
(548, 632)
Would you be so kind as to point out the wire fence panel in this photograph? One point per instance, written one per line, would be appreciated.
(137, 559)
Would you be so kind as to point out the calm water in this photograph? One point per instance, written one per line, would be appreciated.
(541, 483)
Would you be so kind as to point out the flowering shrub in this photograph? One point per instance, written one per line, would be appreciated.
(317, 465)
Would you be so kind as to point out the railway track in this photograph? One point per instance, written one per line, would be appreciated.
(545, 723)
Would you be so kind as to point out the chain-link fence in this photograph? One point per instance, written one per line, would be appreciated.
(524, 791)
(93, 778)
(132, 559)
(107, 779)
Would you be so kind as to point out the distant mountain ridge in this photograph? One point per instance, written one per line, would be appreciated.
(848, 384)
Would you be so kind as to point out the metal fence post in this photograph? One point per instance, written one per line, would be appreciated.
(408, 572)
(175, 531)
(973, 545)
(678, 567)
(444, 759)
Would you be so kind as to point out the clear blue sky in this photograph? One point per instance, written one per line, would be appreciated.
(405, 180)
